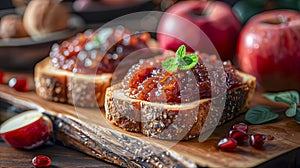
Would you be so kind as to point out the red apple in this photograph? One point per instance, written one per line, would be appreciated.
(27, 130)
(269, 48)
(214, 18)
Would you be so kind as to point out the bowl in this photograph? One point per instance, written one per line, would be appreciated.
(24, 53)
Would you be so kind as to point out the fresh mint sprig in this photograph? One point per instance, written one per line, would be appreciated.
(181, 61)
(262, 114)
(289, 97)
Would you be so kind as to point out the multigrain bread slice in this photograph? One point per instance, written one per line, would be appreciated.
(83, 90)
(97, 57)
(176, 121)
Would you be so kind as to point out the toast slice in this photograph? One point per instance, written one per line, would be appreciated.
(82, 90)
(176, 121)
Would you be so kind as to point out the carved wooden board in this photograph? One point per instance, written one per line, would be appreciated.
(87, 130)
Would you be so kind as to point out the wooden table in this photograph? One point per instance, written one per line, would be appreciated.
(105, 142)
(65, 157)
(60, 157)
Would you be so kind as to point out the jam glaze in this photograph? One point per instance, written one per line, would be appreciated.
(97, 51)
(148, 81)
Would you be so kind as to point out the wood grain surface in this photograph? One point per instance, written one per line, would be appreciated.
(87, 130)
(60, 157)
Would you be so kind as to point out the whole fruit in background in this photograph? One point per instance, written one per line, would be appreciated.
(245, 9)
(27, 130)
(45, 16)
(11, 26)
(214, 18)
(269, 48)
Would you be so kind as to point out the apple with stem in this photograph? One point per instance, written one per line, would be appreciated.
(26, 130)
(269, 48)
(216, 19)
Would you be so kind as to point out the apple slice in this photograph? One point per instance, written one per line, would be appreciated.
(27, 130)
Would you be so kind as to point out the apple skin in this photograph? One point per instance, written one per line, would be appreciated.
(30, 136)
(215, 19)
(270, 50)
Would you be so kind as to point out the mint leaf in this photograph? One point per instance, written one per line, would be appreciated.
(260, 115)
(291, 112)
(171, 64)
(295, 97)
(287, 95)
(181, 61)
(188, 62)
(287, 100)
(180, 53)
(185, 60)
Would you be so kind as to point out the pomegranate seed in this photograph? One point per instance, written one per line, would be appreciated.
(227, 144)
(19, 84)
(240, 126)
(257, 140)
(239, 135)
(41, 161)
(1, 77)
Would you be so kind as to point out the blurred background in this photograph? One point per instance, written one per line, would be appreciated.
(28, 28)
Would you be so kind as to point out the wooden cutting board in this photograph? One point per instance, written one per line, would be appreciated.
(87, 130)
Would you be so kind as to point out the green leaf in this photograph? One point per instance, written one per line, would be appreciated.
(188, 62)
(295, 97)
(297, 117)
(171, 64)
(180, 53)
(270, 96)
(291, 112)
(260, 115)
(96, 38)
(181, 61)
(287, 100)
(287, 95)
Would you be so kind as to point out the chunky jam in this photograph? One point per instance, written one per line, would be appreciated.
(97, 51)
(150, 82)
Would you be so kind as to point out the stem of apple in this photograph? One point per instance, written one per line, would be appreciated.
(202, 12)
(283, 20)
(205, 10)
(278, 20)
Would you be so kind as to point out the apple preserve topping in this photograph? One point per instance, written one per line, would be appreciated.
(150, 82)
(97, 51)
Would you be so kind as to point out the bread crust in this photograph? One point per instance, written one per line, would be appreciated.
(58, 85)
(176, 122)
